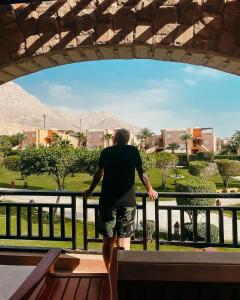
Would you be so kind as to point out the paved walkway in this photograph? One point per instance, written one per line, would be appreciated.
(150, 211)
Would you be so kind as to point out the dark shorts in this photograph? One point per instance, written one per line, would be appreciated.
(117, 222)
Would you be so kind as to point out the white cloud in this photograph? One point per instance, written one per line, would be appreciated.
(61, 91)
(202, 72)
(156, 104)
(190, 82)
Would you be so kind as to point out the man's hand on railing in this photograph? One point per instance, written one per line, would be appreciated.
(87, 194)
(152, 194)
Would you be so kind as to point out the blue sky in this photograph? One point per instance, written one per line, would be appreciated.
(146, 93)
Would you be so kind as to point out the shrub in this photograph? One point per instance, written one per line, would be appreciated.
(12, 163)
(231, 157)
(195, 185)
(202, 169)
(182, 158)
(196, 168)
(150, 229)
(206, 156)
(228, 168)
(149, 160)
(201, 232)
(13, 153)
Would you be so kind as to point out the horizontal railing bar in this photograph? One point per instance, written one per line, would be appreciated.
(188, 207)
(95, 240)
(197, 244)
(36, 205)
(138, 194)
(26, 237)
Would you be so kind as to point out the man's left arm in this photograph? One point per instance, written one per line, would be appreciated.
(96, 179)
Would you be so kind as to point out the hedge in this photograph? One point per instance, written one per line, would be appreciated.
(12, 163)
(206, 156)
(195, 185)
(202, 169)
(196, 168)
(201, 232)
(231, 157)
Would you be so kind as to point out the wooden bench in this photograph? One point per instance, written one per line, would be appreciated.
(52, 278)
(144, 275)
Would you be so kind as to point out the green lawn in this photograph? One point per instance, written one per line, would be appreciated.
(81, 181)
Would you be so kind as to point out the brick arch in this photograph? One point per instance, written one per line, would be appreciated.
(47, 34)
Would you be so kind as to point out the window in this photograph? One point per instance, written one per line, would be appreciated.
(206, 143)
(169, 135)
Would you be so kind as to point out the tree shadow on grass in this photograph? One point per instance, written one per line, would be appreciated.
(18, 186)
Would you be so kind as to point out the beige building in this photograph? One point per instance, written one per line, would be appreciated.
(221, 142)
(104, 138)
(203, 139)
(45, 137)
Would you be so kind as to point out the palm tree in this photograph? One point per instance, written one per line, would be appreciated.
(144, 135)
(107, 137)
(186, 138)
(80, 137)
(56, 139)
(236, 141)
(173, 147)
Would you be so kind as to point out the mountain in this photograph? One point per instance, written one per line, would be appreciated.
(21, 111)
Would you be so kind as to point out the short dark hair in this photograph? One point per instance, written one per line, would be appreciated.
(122, 136)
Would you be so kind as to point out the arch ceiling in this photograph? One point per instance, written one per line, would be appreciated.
(41, 35)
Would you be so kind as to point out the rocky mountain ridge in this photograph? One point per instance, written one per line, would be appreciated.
(21, 111)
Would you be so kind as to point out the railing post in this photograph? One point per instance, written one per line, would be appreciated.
(8, 221)
(144, 214)
(85, 229)
(96, 222)
(221, 225)
(208, 225)
(169, 221)
(195, 232)
(182, 225)
(29, 220)
(157, 225)
(18, 211)
(74, 224)
(235, 228)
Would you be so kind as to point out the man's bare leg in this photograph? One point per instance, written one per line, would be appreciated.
(124, 243)
(107, 250)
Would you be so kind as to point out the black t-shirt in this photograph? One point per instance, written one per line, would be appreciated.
(118, 186)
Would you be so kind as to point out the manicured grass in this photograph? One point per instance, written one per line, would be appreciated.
(81, 181)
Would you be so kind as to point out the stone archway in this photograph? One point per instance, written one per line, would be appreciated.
(47, 34)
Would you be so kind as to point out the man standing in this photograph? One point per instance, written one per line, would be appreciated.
(117, 203)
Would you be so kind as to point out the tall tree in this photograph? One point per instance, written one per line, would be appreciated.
(236, 141)
(186, 138)
(165, 162)
(173, 147)
(81, 137)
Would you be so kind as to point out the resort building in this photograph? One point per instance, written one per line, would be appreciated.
(45, 137)
(203, 140)
(104, 138)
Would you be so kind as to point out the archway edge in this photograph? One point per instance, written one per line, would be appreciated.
(29, 65)
(49, 34)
